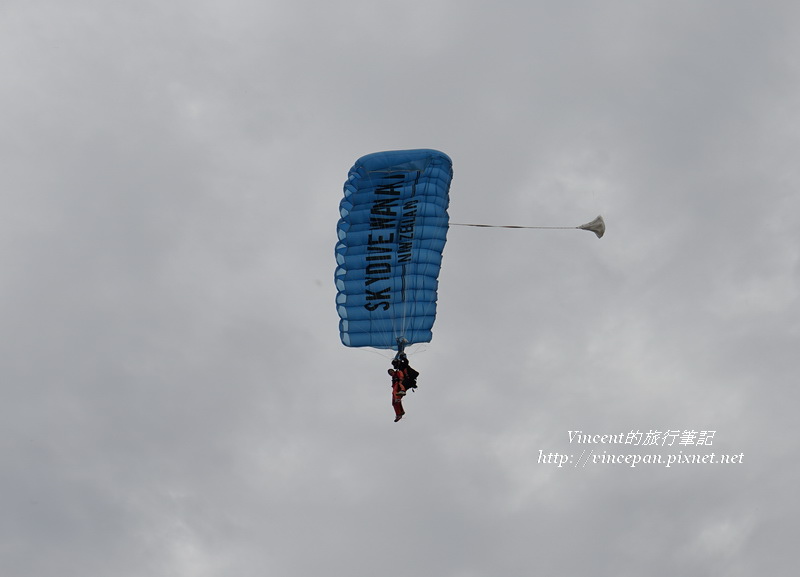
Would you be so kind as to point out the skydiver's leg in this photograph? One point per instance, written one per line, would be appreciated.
(398, 410)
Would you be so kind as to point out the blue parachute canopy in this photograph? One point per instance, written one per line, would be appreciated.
(392, 231)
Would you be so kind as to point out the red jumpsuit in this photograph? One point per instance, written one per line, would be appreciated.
(398, 391)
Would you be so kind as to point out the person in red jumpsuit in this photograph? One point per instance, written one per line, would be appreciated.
(398, 389)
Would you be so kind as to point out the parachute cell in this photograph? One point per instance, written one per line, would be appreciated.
(392, 231)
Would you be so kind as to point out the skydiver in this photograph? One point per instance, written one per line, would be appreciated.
(398, 388)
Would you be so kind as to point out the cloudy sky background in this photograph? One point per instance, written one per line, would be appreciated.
(175, 398)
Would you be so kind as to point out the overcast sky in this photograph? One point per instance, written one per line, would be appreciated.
(175, 398)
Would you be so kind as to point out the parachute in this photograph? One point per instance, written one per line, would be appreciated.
(392, 232)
